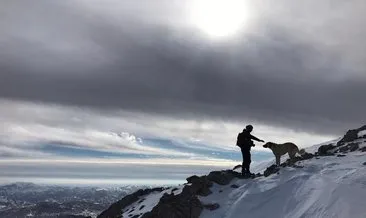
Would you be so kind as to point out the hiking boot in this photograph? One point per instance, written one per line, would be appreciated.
(247, 175)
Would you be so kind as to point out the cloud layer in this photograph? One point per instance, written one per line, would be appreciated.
(297, 70)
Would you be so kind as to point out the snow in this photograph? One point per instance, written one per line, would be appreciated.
(148, 201)
(326, 187)
(361, 133)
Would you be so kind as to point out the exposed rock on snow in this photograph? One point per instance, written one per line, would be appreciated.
(212, 206)
(325, 150)
(352, 135)
(200, 185)
(223, 177)
(179, 206)
(234, 186)
(271, 170)
(115, 209)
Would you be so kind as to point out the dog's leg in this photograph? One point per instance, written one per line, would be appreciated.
(292, 158)
(278, 160)
(292, 155)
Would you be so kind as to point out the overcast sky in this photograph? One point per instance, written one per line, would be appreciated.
(139, 81)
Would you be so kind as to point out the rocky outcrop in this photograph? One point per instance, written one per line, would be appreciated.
(349, 147)
(200, 185)
(271, 170)
(325, 150)
(115, 209)
(353, 146)
(350, 136)
(178, 206)
(223, 177)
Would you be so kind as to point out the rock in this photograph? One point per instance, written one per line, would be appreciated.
(142, 207)
(341, 155)
(200, 185)
(304, 156)
(193, 179)
(364, 163)
(234, 186)
(350, 147)
(223, 177)
(271, 170)
(307, 156)
(363, 149)
(212, 206)
(353, 146)
(177, 206)
(344, 149)
(220, 191)
(324, 150)
(115, 209)
(350, 136)
(140, 201)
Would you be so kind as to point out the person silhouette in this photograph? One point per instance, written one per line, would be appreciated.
(244, 141)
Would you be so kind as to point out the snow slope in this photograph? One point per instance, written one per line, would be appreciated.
(326, 187)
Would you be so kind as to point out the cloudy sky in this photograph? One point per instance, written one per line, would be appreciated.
(119, 91)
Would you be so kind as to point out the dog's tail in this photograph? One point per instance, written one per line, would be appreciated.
(301, 151)
(237, 167)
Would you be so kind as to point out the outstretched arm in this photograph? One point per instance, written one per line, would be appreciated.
(255, 138)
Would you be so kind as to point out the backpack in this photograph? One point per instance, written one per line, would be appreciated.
(243, 141)
(240, 139)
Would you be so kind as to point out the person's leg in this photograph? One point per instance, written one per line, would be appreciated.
(243, 165)
(249, 160)
(246, 162)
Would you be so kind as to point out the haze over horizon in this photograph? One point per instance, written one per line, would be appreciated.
(135, 92)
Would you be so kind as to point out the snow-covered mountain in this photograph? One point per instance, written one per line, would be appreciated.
(31, 200)
(329, 181)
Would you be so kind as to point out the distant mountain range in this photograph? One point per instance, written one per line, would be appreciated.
(30, 200)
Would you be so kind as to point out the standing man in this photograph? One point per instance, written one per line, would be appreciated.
(244, 141)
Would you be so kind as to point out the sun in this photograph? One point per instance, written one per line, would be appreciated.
(219, 18)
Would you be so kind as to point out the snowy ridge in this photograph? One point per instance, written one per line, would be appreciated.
(326, 187)
(330, 184)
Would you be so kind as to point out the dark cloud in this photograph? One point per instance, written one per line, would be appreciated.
(271, 73)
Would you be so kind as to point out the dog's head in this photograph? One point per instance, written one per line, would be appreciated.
(268, 145)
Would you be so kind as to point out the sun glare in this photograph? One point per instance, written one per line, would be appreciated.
(219, 18)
